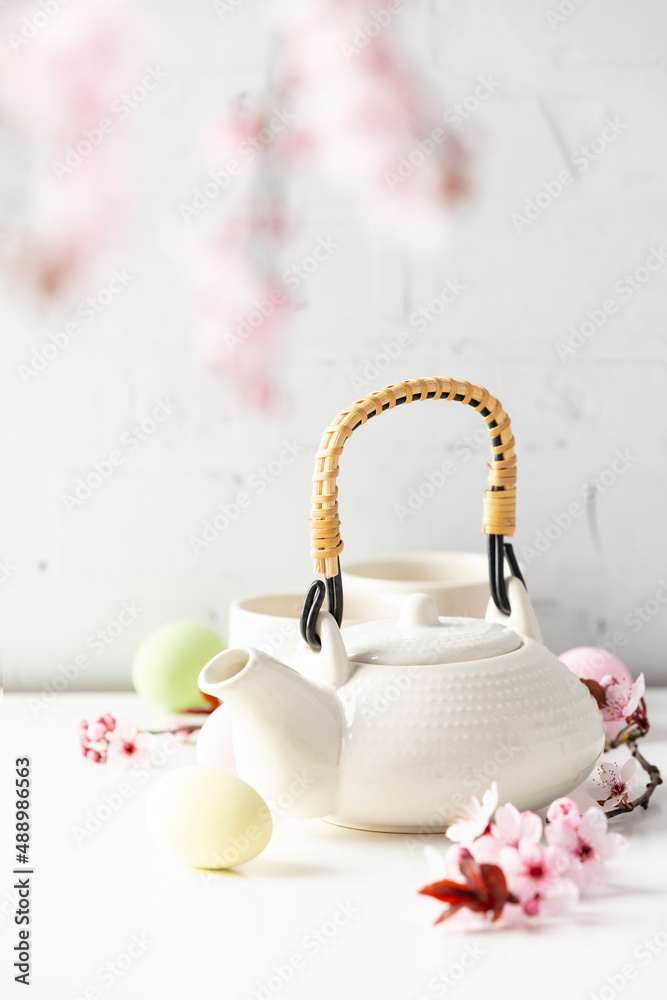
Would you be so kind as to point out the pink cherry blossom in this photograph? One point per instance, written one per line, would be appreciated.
(622, 700)
(612, 784)
(96, 731)
(588, 846)
(564, 812)
(555, 898)
(531, 871)
(474, 817)
(507, 863)
(179, 729)
(127, 745)
(485, 850)
(511, 826)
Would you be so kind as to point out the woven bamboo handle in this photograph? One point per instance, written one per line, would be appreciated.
(499, 498)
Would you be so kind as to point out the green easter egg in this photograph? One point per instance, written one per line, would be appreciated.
(168, 662)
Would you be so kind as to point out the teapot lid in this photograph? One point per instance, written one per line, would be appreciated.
(419, 637)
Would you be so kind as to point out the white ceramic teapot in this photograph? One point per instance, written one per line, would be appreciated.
(390, 725)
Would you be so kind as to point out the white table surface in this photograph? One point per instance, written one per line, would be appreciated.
(219, 936)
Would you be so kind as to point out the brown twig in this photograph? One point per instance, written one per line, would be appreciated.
(637, 727)
(178, 729)
(655, 779)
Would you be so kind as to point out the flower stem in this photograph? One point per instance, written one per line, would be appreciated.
(179, 729)
(637, 726)
(655, 779)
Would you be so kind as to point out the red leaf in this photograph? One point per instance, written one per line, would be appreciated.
(448, 892)
(597, 691)
(446, 914)
(472, 872)
(484, 890)
(496, 882)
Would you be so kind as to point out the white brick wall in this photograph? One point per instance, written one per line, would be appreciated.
(129, 542)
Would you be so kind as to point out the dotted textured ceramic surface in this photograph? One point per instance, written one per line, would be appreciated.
(453, 640)
(523, 720)
(368, 742)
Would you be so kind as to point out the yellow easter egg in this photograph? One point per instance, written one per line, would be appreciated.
(208, 818)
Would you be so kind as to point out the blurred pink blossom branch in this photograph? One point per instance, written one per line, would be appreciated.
(57, 89)
(361, 118)
(239, 272)
(367, 120)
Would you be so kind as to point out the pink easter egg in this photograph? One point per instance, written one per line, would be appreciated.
(590, 663)
(215, 747)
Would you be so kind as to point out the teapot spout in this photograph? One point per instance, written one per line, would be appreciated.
(287, 730)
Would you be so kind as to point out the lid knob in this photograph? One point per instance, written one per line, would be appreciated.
(419, 609)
